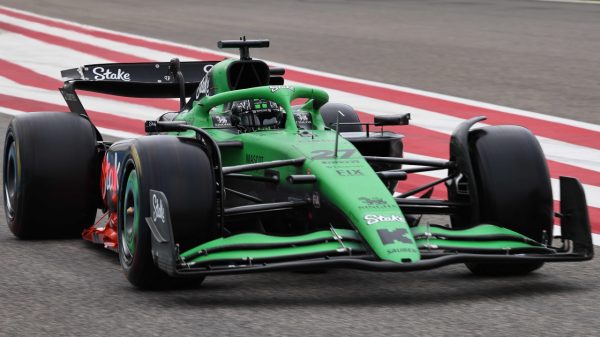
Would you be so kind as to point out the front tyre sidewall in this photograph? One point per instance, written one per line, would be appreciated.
(135, 246)
(130, 213)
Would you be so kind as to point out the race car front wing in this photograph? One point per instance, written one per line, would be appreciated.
(344, 248)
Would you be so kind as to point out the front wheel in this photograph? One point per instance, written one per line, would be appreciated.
(514, 188)
(182, 171)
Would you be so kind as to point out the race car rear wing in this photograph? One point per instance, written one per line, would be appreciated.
(172, 79)
(144, 80)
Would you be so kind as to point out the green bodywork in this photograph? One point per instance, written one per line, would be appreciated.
(321, 241)
(344, 180)
(226, 249)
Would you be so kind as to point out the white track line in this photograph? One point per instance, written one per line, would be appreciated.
(519, 112)
(18, 49)
(568, 153)
(85, 38)
(141, 112)
(104, 131)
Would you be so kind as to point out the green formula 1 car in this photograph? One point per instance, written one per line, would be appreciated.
(252, 175)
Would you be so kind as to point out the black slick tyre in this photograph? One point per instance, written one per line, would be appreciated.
(182, 171)
(51, 170)
(513, 187)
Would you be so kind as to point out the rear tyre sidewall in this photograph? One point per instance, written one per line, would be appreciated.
(11, 185)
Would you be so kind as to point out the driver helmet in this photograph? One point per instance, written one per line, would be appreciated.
(256, 113)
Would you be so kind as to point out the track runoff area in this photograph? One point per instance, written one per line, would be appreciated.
(36, 48)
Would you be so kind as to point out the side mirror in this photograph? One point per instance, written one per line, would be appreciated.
(383, 120)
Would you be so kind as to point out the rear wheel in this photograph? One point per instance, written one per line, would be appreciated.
(513, 187)
(51, 169)
(331, 112)
(182, 171)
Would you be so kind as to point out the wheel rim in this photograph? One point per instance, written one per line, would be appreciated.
(10, 180)
(131, 204)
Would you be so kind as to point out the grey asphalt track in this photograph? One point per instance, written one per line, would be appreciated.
(526, 54)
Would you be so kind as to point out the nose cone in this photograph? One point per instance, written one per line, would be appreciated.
(350, 183)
